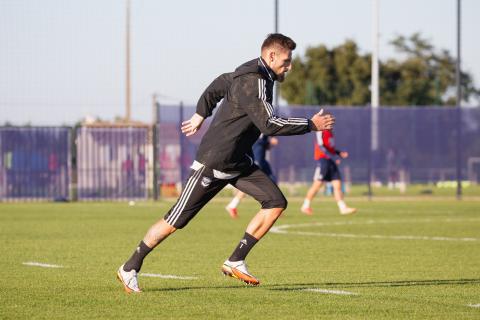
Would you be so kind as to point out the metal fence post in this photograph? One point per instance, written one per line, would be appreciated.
(370, 158)
(182, 143)
(155, 161)
(73, 164)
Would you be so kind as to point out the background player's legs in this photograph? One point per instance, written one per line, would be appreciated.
(306, 207)
(232, 206)
(338, 194)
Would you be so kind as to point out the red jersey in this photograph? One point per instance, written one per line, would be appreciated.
(325, 145)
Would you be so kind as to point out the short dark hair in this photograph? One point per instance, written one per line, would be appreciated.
(280, 40)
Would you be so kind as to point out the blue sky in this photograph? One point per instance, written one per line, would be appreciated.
(63, 60)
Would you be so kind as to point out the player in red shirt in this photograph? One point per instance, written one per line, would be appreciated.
(327, 171)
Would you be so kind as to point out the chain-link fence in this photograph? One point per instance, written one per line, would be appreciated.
(35, 163)
(414, 145)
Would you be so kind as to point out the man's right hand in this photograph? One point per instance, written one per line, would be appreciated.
(323, 121)
(192, 125)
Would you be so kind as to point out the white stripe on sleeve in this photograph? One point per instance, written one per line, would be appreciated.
(262, 95)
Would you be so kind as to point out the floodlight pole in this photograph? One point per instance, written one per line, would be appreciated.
(459, 104)
(277, 86)
(374, 90)
(276, 16)
(128, 105)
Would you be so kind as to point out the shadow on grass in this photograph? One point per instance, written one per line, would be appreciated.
(199, 288)
(399, 283)
(302, 286)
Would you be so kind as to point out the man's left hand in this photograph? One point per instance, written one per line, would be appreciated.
(343, 154)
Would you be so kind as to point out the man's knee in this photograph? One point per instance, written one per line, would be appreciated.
(280, 202)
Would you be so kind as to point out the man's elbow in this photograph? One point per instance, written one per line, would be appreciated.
(269, 130)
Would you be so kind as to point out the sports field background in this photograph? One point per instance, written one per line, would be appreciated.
(396, 259)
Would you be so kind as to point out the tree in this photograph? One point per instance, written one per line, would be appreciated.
(341, 76)
(338, 76)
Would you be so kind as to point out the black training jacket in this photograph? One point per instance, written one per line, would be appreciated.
(245, 112)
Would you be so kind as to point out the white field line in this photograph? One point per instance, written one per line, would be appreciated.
(474, 305)
(339, 292)
(42, 265)
(166, 276)
(283, 229)
(377, 236)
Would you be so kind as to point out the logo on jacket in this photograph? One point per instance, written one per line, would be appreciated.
(206, 181)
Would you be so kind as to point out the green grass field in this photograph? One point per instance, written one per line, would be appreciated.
(396, 259)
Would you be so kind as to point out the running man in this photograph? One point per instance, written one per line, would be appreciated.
(225, 155)
(326, 171)
(260, 148)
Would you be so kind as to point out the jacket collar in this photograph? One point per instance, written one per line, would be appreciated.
(266, 69)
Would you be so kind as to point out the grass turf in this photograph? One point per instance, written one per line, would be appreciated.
(435, 277)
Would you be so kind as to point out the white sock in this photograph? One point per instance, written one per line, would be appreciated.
(234, 203)
(306, 203)
(341, 205)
